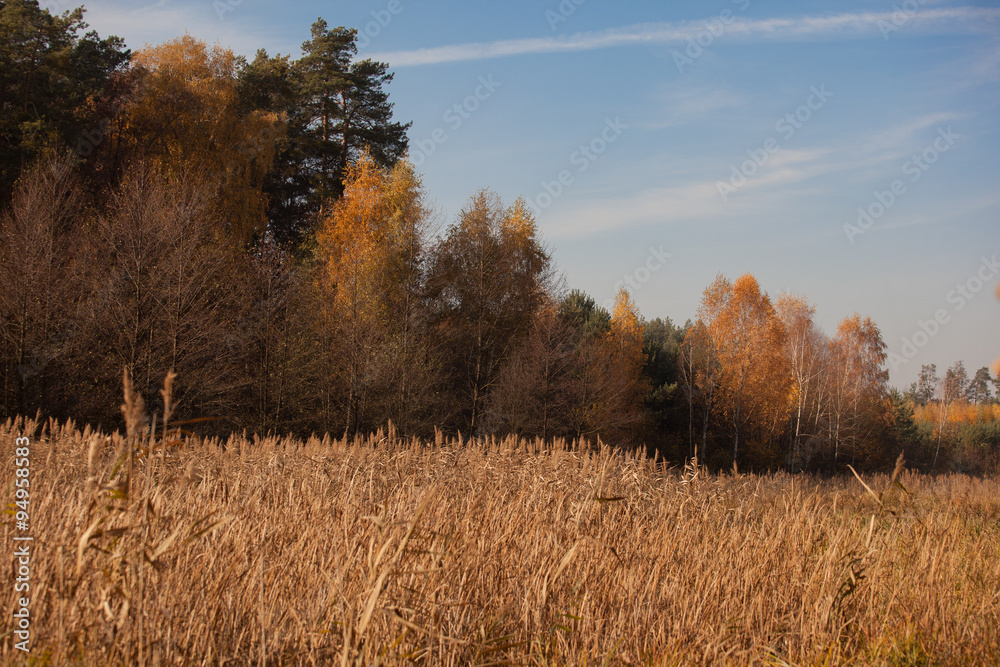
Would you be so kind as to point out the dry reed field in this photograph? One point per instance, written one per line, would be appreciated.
(388, 551)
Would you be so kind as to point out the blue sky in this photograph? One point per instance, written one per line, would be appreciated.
(732, 136)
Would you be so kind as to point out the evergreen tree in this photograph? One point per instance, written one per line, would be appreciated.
(49, 78)
(979, 389)
(335, 110)
(927, 385)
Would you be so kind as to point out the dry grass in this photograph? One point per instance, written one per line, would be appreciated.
(485, 553)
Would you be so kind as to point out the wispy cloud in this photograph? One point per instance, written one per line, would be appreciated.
(944, 212)
(957, 20)
(685, 203)
(877, 152)
(685, 106)
(154, 21)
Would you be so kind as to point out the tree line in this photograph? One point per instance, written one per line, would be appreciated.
(251, 225)
(255, 227)
(378, 322)
(270, 138)
(957, 417)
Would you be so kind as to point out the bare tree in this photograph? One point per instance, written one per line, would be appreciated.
(534, 393)
(266, 332)
(698, 372)
(164, 296)
(40, 297)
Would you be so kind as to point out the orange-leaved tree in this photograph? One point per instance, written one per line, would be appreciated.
(858, 386)
(371, 250)
(185, 117)
(753, 378)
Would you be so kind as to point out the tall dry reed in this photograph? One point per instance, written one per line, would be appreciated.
(158, 548)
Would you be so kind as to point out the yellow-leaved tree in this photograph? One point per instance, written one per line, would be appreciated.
(184, 117)
(612, 399)
(858, 386)
(754, 381)
(371, 250)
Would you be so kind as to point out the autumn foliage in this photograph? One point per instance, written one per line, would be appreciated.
(763, 377)
(184, 116)
(383, 321)
(387, 438)
(255, 227)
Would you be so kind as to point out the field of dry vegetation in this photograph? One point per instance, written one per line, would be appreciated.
(387, 551)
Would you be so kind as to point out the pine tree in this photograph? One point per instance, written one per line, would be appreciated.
(336, 109)
(978, 391)
(50, 77)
